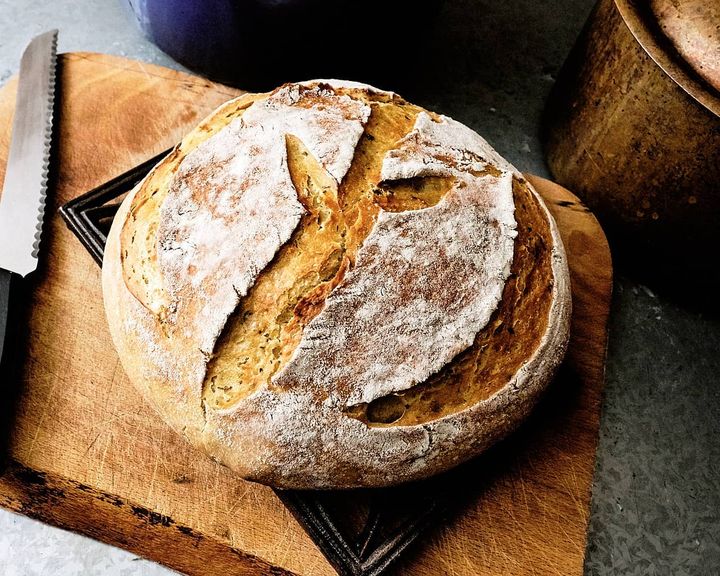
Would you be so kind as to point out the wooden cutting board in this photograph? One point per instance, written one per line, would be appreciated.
(86, 453)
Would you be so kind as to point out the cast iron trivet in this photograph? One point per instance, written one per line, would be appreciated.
(361, 532)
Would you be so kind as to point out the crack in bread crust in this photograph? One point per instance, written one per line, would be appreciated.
(426, 281)
(265, 328)
(499, 349)
(180, 254)
(264, 332)
(138, 236)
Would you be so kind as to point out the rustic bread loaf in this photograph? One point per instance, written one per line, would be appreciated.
(327, 286)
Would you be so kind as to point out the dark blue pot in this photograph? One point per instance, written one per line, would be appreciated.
(258, 44)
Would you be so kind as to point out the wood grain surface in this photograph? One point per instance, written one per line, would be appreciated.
(85, 453)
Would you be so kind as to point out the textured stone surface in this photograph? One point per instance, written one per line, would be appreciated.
(656, 498)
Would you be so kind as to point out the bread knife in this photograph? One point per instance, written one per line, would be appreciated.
(22, 203)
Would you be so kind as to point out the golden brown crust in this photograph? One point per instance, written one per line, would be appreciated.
(277, 431)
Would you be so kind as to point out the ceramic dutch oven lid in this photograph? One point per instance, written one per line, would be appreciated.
(693, 28)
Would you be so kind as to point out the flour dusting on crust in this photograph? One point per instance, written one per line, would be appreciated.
(232, 203)
(425, 281)
(441, 148)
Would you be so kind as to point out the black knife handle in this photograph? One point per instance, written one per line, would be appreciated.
(5, 281)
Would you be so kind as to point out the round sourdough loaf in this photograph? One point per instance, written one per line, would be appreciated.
(327, 286)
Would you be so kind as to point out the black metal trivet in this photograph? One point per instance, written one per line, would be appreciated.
(361, 532)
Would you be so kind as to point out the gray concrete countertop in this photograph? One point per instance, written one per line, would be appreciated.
(656, 493)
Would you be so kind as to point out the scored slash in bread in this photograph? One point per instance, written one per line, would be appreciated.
(329, 287)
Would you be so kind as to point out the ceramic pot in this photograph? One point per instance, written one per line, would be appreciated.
(258, 44)
(632, 130)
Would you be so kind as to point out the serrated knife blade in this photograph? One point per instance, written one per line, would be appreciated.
(22, 204)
